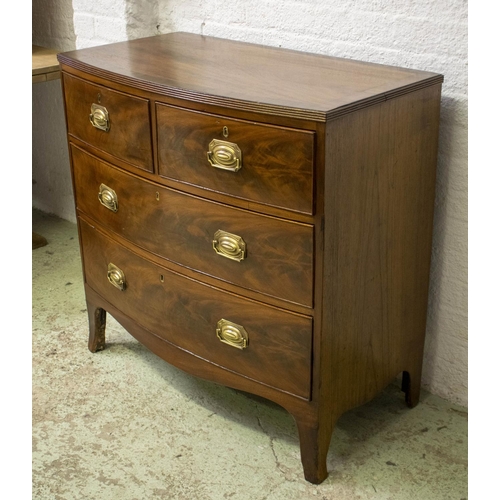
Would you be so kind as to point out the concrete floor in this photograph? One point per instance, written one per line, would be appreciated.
(122, 424)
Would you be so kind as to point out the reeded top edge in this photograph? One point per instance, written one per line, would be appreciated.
(245, 76)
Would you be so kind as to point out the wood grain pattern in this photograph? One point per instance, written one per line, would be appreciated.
(181, 228)
(44, 64)
(185, 313)
(258, 79)
(382, 212)
(193, 365)
(129, 136)
(337, 216)
(381, 166)
(277, 162)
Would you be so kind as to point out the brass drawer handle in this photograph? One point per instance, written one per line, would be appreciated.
(108, 198)
(229, 245)
(224, 155)
(116, 277)
(232, 334)
(99, 117)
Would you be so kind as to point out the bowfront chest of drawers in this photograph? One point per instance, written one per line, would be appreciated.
(258, 217)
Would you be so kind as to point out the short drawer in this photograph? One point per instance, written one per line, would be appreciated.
(256, 162)
(114, 122)
(260, 253)
(262, 343)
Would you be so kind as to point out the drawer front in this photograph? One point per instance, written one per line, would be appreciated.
(93, 108)
(273, 256)
(261, 163)
(262, 343)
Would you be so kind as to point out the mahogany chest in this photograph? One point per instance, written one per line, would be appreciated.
(258, 217)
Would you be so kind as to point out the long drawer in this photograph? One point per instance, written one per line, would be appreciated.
(263, 343)
(256, 162)
(260, 253)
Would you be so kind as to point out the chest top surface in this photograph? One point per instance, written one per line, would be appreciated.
(247, 76)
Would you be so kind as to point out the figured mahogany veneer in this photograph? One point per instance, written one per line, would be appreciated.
(267, 228)
(278, 161)
(129, 136)
(183, 312)
(280, 252)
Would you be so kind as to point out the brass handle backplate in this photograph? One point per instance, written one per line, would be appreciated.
(224, 155)
(229, 245)
(116, 277)
(99, 117)
(108, 198)
(232, 334)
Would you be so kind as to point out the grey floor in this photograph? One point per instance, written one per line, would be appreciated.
(122, 424)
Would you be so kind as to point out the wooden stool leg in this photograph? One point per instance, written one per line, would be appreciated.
(37, 240)
(97, 327)
(314, 445)
(411, 386)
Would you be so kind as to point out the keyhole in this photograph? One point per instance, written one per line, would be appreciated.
(157, 196)
(162, 278)
(99, 98)
(225, 132)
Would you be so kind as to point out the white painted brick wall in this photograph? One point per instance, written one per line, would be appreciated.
(422, 34)
(52, 26)
(99, 22)
(106, 21)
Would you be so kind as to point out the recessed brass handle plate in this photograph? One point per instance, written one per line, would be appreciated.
(224, 155)
(232, 334)
(116, 277)
(229, 245)
(99, 117)
(108, 198)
